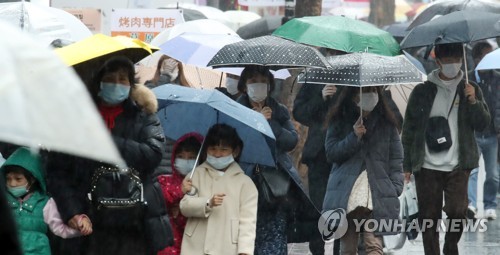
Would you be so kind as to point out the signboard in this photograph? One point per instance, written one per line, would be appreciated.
(91, 17)
(144, 24)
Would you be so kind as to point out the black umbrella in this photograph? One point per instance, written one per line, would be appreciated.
(398, 30)
(446, 7)
(456, 27)
(260, 27)
(365, 69)
(271, 51)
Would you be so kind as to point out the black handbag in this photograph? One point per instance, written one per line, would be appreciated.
(438, 133)
(272, 183)
(117, 197)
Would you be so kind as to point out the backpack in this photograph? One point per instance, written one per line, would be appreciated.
(117, 198)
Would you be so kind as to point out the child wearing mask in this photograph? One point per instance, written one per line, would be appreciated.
(34, 211)
(220, 200)
(183, 161)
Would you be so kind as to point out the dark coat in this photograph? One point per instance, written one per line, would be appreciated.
(302, 211)
(471, 118)
(310, 110)
(379, 152)
(489, 82)
(138, 136)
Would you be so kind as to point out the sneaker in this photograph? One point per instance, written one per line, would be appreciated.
(471, 212)
(490, 214)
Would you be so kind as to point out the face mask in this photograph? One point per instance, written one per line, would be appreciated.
(18, 191)
(257, 91)
(368, 101)
(113, 93)
(184, 166)
(232, 86)
(220, 163)
(451, 70)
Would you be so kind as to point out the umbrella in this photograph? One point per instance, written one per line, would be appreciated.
(365, 69)
(240, 18)
(88, 55)
(183, 110)
(398, 30)
(210, 12)
(260, 27)
(46, 22)
(339, 33)
(281, 74)
(490, 61)
(189, 14)
(271, 51)
(200, 26)
(446, 7)
(43, 103)
(456, 27)
(196, 49)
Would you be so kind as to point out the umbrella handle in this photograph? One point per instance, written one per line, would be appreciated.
(465, 62)
(197, 159)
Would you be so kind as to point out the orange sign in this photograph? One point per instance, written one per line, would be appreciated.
(89, 16)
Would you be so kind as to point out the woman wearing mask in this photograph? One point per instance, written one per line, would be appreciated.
(138, 135)
(273, 218)
(367, 174)
(231, 89)
(167, 71)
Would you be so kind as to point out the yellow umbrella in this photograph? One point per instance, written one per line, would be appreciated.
(88, 55)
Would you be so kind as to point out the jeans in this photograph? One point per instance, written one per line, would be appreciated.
(431, 184)
(488, 147)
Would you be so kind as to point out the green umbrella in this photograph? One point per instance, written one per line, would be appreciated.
(339, 33)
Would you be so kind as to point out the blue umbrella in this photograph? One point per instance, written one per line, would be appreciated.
(183, 110)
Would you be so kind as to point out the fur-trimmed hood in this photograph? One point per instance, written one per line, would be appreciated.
(144, 98)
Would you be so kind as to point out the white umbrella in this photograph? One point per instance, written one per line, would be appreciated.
(490, 61)
(43, 103)
(46, 22)
(240, 18)
(197, 49)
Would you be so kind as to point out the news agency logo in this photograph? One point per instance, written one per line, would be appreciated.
(332, 224)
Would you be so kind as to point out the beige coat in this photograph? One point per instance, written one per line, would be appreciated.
(226, 229)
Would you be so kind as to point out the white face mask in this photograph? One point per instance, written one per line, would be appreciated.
(257, 91)
(451, 70)
(184, 166)
(220, 163)
(368, 101)
(232, 86)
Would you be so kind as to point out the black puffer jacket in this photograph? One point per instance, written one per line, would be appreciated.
(139, 136)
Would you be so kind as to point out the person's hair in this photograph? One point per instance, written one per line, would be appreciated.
(251, 71)
(345, 104)
(156, 77)
(223, 134)
(32, 182)
(191, 144)
(477, 50)
(114, 64)
(454, 50)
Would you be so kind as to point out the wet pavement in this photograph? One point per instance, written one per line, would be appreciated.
(487, 243)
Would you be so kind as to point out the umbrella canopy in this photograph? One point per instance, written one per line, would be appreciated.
(490, 61)
(260, 27)
(46, 22)
(88, 55)
(446, 7)
(201, 26)
(184, 110)
(271, 51)
(398, 30)
(196, 49)
(43, 103)
(456, 27)
(365, 69)
(240, 18)
(278, 74)
(339, 33)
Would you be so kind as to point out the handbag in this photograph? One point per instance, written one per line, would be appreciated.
(272, 183)
(117, 197)
(438, 133)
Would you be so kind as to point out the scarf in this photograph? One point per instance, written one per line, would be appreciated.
(109, 114)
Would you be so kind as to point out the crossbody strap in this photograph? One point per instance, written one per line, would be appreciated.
(452, 103)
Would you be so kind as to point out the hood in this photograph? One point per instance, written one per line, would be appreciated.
(176, 145)
(144, 98)
(24, 158)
